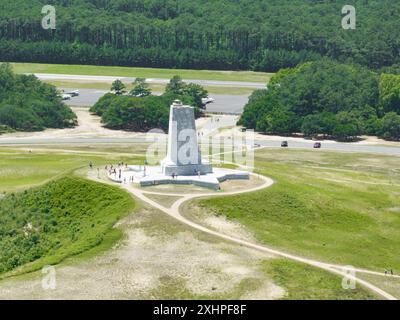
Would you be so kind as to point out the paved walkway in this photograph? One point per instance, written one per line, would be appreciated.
(175, 212)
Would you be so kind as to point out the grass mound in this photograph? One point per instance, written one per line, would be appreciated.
(62, 218)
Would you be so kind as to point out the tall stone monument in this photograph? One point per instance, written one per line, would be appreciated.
(183, 155)
(183, 164)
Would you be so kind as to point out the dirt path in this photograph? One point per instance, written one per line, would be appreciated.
(174, 212)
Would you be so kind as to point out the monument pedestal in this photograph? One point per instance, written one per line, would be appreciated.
(183, 157)
(188, 170)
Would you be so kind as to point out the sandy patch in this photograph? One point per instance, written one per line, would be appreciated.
(90, 126)
(223, 225)
(267, 291)
(157, 259)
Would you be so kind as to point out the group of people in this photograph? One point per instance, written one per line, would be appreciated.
(117, 170)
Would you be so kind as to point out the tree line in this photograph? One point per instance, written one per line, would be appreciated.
(262, 35)
(139, 110)
(327, 98)
(27, 104)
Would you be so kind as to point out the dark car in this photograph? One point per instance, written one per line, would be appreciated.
(284, 144)
(317, 145)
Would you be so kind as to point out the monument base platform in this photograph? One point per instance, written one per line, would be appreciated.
(154, 176)
(189, 170)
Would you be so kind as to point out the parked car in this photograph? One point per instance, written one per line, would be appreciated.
(317, 145)
(284, 144)
(73, 93)
(66, 96)
(206, 101)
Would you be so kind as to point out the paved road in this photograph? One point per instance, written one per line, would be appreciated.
(384, 150)
(86, 98)
(227, 104)
(348, 147)
(224, 103)
(214, 83)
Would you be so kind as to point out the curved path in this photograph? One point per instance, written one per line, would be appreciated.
(174, 211)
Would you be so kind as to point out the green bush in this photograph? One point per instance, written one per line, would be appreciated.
(5, 129)
(146, 112)
(133, 113)
(391, 126)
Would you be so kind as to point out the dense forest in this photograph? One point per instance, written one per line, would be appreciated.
(263, 35)
(324, 97)
(139, 110)
(26, 104)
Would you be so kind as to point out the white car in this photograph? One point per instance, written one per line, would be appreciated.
(73, 93)
(207, 100)
(65, 96)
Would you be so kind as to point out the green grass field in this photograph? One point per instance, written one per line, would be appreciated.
(307, 283)
(337, 207)
(246, 76)
(23, 168)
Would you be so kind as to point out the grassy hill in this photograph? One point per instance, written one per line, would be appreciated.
(337, 207)
(65, 217)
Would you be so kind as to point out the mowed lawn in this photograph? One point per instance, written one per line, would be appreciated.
(21, 169)
(337, 207)
(246, 76)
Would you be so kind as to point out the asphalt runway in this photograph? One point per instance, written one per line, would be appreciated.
(227, 104)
